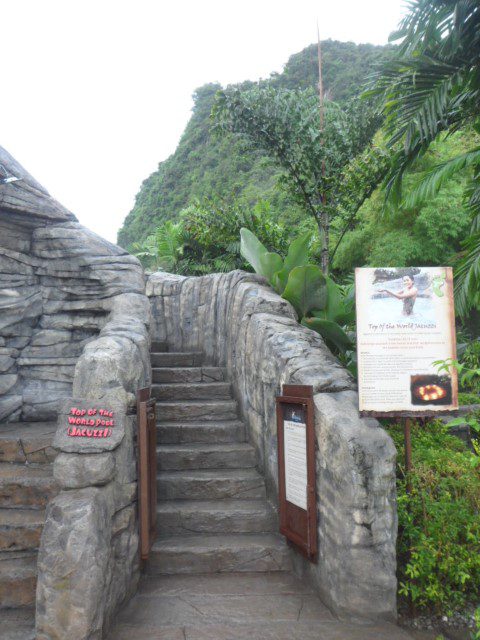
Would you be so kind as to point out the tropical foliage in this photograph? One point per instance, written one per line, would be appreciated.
(313, 143)
(206, 238)
(208, 166)
(432, 87)
(164, 249)
(439, 528)
(320, 304)
(431, 232)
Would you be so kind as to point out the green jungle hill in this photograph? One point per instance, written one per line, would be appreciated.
(205, 165)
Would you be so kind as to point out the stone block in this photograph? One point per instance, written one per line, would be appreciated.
(125, 457)
(108, 363)
(123, 494)
(74, 567)
(79, 470)
(8, 405)
(124, 519)
(7, 381)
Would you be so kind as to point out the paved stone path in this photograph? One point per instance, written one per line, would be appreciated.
(236, 606)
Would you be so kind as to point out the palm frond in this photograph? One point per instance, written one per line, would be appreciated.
(467, 276)
(434, 180)
(432, 84)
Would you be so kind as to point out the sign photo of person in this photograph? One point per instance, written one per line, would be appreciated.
(405, 323)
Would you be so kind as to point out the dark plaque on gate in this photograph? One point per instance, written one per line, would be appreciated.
(296, 468)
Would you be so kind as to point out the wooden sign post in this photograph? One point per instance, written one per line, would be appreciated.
(407, 437)
(296, 468)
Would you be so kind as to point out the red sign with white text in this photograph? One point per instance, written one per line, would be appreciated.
(90, 423)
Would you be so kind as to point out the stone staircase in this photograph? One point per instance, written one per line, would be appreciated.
(213, 515)
(26, 485)
(217, 569)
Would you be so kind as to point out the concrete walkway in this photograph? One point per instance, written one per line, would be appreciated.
(236, 606)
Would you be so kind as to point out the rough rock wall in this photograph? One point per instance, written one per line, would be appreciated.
(240, 323)
(57, 294)
(88, 560)
(88, 563)
(74, 320)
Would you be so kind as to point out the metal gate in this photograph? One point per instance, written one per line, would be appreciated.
(147, 469)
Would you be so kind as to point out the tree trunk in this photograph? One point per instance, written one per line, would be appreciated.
(323, 224)
(325, 237)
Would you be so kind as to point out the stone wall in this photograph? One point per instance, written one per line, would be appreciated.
(56, 295)
(88, 560)
(240, 323)
(74, 321)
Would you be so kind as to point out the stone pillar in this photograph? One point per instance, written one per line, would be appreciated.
(88, 561)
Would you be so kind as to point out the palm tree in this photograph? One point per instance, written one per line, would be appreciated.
(432, 86)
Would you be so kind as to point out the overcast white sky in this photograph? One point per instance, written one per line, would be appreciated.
(94, 93)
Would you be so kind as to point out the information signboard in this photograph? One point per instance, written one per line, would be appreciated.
(405, 322)
(84, 426)
(296, 468)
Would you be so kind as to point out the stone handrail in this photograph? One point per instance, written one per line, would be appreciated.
(238, 322)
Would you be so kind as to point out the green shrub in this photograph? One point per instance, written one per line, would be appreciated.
(438, 547)
(465, 398)
(320, 303)
(471, 361)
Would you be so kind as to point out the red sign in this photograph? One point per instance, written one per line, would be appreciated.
(90, 423)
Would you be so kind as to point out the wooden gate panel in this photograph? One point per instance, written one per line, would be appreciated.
(147, 470)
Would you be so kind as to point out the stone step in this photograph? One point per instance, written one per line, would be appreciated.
(26, 486)
(173, 359)
(214, 516)
(192, 391)
(18, 579)
(158, 347)
(196, 410)
(18, 623)
(27, 442)
(179, 457)
(188, 374)
(219, 553)
(20, 529)
(210, 484)
(12, 470)
(208, 432)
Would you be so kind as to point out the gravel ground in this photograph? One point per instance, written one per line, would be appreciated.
(458, 626)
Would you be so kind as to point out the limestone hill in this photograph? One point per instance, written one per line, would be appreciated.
(204, 165)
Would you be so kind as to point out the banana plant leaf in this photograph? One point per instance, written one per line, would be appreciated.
(270, 264)
(306, 289)
(252, 250)
(297, 256)
(339, 308)
(331, 331)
